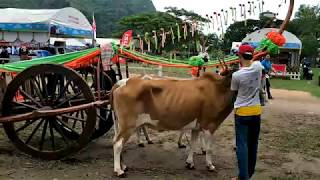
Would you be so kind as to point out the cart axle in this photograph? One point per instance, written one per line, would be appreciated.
(45, 112)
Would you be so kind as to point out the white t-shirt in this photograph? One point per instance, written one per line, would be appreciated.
(247, 81)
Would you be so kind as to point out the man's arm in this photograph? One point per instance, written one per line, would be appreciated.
(234, 96)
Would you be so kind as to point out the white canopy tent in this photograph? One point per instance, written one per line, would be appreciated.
(25, 25)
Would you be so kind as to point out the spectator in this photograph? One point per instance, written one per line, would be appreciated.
(267, 65)
(9, 50)
(4, 53)
(23, 53)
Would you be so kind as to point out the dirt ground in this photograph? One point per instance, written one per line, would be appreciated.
(289, 149)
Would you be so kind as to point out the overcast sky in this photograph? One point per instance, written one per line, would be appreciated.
(204, 7)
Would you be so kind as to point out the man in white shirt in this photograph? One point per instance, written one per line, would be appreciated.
(246, 84)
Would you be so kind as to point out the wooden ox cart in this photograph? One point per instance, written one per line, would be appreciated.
(52, 107)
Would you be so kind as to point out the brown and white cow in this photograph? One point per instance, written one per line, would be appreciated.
(200, 105)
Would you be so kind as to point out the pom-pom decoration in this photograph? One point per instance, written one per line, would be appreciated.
(276, 38)
(272, 48)
(196, 61)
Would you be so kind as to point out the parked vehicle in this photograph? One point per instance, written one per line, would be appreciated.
(39, 53)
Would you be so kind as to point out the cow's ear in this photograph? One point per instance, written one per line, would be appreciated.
(224, 72)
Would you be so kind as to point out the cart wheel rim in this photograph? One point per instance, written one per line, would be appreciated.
(49, 86)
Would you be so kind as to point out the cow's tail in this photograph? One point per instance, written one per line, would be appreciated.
(114, 117)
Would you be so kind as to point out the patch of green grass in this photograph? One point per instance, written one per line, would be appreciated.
(302, 85)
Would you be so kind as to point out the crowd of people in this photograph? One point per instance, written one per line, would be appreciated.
(7, 51)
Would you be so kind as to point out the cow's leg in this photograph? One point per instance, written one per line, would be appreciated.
(208, 144)
(202, 143)
(138, 132)
(194, 137)
(146, 135)
(117, 149)
(120, 140)
(180, 144)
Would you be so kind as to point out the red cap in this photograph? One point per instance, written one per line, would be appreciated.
(246, 49)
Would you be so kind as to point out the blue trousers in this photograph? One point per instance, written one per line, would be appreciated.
(247, 136)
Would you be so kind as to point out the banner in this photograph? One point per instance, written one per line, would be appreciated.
(106, 55)
(281, 69)
(126, 38)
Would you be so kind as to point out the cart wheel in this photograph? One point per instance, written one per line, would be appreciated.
(42, 87)
(104, 115)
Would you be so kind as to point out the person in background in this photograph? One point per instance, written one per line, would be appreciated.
(4, 53)
(23, 53)
(9, 50)
(267, 65)
(246, 85)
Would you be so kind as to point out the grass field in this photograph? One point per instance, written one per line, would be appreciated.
(302, 85)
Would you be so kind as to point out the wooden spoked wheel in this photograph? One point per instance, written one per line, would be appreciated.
(107, 80)
(49, 86)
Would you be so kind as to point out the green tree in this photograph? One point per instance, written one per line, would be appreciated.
(306, 26)
(155, 21)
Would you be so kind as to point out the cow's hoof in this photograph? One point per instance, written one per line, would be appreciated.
(125, 168)
(141, 145)
(190, 166)
(120, 174)
(211, 168)
(150, 142)
(182, 146)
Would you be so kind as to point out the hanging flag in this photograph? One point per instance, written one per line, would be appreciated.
(226, 18)
(126, 38)
(155, 39)
(250, 6)
(94, 30)
(260, 11)
(221, 22)
(185, 31)
(147, 39)
(94, 25)
(140, 42)
(178, 32)
(194, 27)
(172, 35)
(241, 10)
(217, 19)
(232, 13)
(163, 37)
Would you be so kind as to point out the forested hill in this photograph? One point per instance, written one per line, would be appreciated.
(107, 12)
